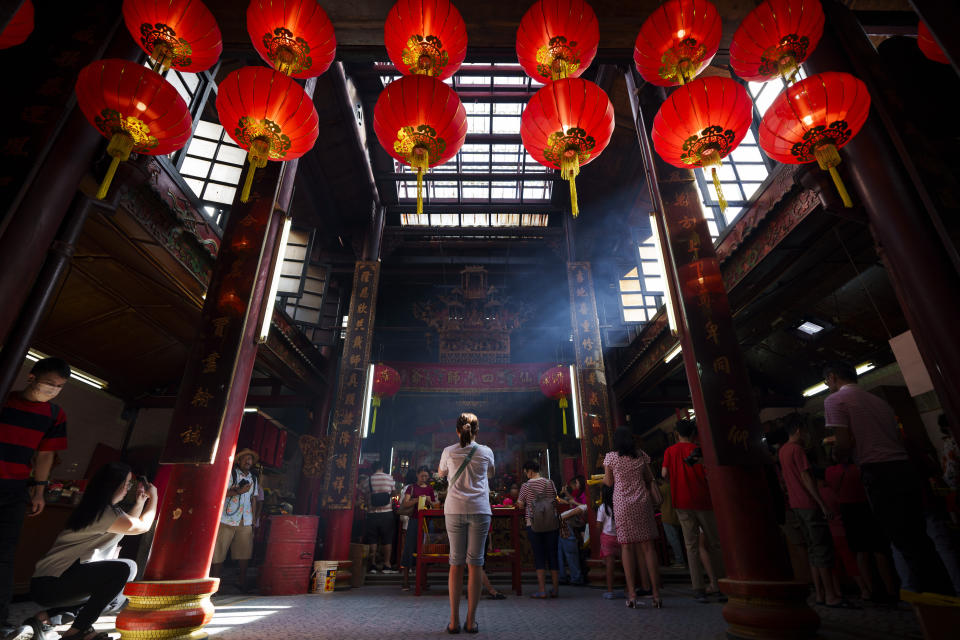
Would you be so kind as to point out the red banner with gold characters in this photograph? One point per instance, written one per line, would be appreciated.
(478, 378)
(227, 313)
(592, 380)
(730, 410)
(344, 444)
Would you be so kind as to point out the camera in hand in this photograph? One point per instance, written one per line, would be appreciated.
(695, 457)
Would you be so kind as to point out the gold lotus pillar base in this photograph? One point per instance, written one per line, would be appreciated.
(167, 610)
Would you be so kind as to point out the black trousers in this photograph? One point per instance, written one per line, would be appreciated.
(13, 508)
(895, 490)
(84, 590)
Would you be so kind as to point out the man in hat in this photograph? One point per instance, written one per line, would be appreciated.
(241, 510)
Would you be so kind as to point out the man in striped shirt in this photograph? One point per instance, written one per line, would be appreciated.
(379, 524)
(30, 424)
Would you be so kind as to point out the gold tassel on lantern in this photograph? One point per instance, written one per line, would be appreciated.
(828, 157)
(570, 167)
(420, 160)
(710, 158)
(119, 148)
(257, 156)
(563, 410)
(373, 422)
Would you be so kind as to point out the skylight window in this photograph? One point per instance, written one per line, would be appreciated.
(810, 328)
(474, 220)
(212, 166)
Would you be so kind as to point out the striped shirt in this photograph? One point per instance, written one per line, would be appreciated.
(380, 483)
(533, 489)
(871, 421)
(27, 427)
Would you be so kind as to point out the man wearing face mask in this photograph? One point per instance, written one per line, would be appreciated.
(30, 425)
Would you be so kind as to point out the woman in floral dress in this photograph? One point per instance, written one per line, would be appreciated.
(627, 469)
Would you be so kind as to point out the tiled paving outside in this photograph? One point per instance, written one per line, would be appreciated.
(386, 613)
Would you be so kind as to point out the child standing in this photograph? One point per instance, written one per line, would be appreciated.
(609, 547)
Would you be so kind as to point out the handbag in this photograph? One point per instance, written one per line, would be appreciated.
(653, 487)
(410, 510)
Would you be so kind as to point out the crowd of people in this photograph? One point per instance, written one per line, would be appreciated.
(869, 512)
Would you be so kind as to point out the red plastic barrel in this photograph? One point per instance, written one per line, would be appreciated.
(289, 557)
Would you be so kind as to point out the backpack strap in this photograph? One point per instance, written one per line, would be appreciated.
(463, 465)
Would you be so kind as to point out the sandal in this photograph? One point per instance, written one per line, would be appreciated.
(474, 629)
(496, 595)
(539, 595)
(455, 629)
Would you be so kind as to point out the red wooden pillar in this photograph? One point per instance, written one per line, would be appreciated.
(764, 602)
(340, 481)
(173, 599)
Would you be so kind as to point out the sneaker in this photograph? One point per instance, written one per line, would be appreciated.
(610, 595)
(390, 570)
(23, 632)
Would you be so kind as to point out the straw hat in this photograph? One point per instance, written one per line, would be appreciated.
(246, 452)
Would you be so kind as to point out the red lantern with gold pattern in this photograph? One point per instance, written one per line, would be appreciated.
(182, 34)
(929, 46)
(775, 38)
(814, 118)
(293, 36)
(567, 124)
(677, 42)
(386, 383)
(701, 123)
(135, 108)
(425, 37)
(19, 28)
(557, 39)
(555, 384)
(421, 122)
(269, 115)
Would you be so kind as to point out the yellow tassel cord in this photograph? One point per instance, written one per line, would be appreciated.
(828, 157)
(162, 58)
(420, 160)
(284, 60)
(563, 411)
(373, 422)
(710, 158)
(570, 167)
(788, 68)
(257, 156)
(685, 72)
(119, 148)
(559, 69)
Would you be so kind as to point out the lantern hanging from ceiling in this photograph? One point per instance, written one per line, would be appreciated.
(557, 39)
(701, 123)
(386, 383)
(19, 27)
(814, 118)
(269, 115)
(182, 34)
(677, 42)
(555, 384)
(293, 36)
(567, 124)
(929, 46)
(775, 38)
(135, 108)
(421, 122)
(425, 37)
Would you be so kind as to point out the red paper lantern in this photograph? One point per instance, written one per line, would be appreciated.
(182, 34)
(928, 45)
(421, 122)
(293, 36)
(135, 108)
(701, 123)
(269, 115)
(775, 38)
(386, 383)
(677, 42)
(425, 37)
(557, 39)
(567, 124)
(19, 28)
(814, 118)
(555, 384)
